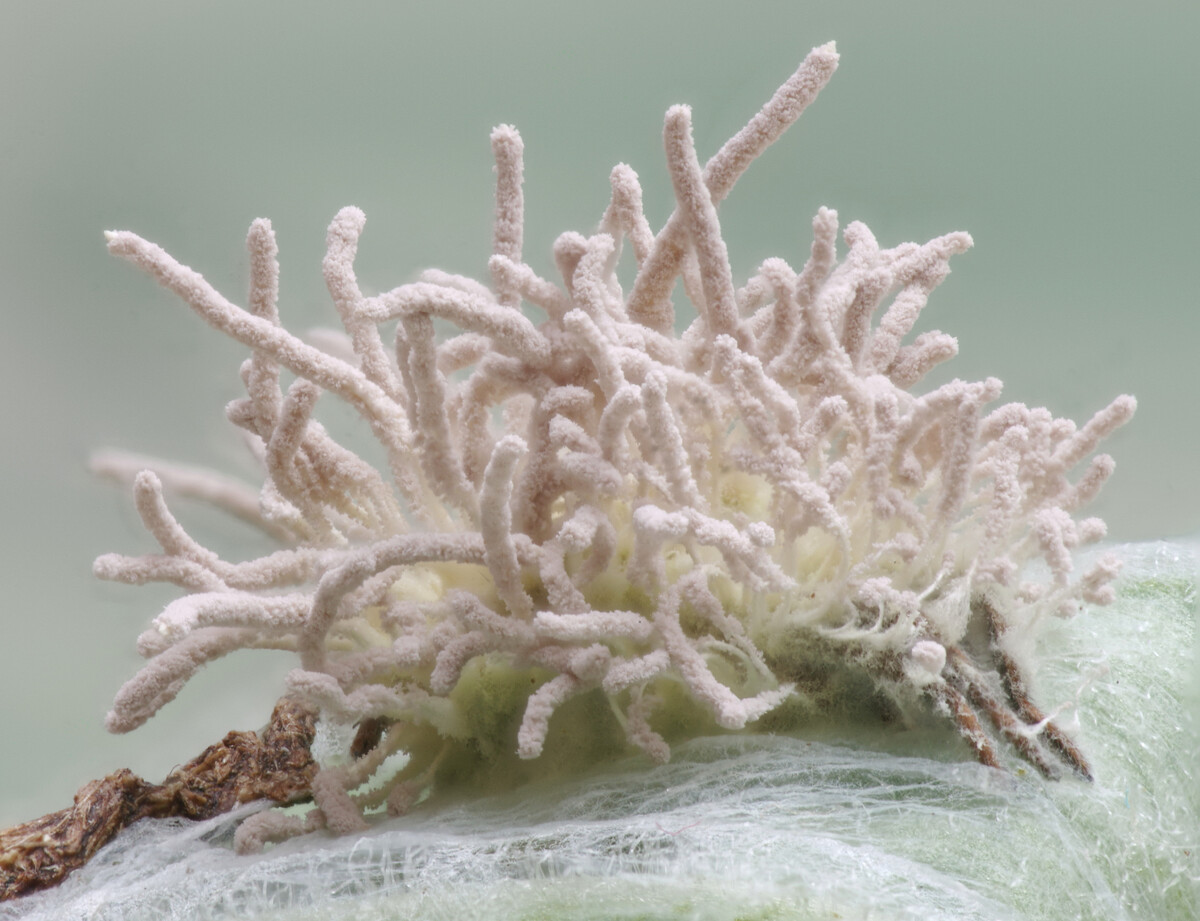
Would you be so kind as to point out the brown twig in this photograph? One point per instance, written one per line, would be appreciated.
(244, 766)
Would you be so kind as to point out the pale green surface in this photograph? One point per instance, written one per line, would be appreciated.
(860, 824)
(1062, 136)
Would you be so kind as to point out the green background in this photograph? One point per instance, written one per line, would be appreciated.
(1063, 136)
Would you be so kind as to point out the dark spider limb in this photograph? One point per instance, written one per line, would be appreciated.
(966, 693)
(968, 723)
(968, 681)
(1014, 687)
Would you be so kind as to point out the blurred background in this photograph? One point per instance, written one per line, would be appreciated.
(1062, 136)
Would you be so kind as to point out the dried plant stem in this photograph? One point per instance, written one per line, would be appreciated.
(242, 767)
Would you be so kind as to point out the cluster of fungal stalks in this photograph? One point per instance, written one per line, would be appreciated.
(666, 532)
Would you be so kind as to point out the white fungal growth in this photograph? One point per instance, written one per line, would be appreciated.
(593, 508)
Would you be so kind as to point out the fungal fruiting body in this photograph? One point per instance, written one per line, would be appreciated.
(664, 533)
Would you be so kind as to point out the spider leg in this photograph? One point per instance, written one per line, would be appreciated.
(1059, 741)
(968, 680)
(967, 722)
(1013, 682)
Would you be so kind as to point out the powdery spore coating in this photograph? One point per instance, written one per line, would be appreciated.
(594, 505)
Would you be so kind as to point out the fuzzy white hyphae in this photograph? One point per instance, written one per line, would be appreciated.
(662, 533)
